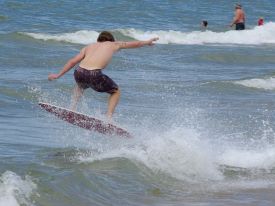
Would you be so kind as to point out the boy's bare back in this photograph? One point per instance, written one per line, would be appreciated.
(97, 55)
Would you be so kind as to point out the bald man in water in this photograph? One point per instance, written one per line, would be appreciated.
(92, 60)
(239, 19)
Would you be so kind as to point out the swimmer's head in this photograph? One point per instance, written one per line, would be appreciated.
(105, 36)
(238, 6)
(204, 23)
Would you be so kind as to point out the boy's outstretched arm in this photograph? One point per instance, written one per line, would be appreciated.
(70, 64)
(135, 44)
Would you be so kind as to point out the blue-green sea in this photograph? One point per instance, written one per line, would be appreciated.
(199, 103)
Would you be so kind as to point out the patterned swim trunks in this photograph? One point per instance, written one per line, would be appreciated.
(94, 79)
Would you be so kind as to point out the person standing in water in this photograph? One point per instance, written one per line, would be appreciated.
(204, 25)
(239, 18)
(92, 60)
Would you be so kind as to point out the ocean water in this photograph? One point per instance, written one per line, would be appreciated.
(200, 105)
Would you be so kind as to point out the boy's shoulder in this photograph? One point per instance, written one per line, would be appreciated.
(109, 44)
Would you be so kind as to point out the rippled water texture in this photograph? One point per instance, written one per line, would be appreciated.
(200, 105)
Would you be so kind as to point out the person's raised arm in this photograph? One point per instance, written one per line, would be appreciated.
(70, 64)
(135, 44)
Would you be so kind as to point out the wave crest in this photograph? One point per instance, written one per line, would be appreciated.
(79, 37)
(266, 84)
(256, 36)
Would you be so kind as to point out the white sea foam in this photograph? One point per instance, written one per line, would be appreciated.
(267, 84)
(256, 36)
(79, 37)
(14, 190)
(178, 152)
(261, 159)
(183, 154)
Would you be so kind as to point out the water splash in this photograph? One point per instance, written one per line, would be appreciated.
(14, 190)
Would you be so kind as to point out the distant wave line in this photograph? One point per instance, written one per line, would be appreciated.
(256, 36)
(258, 83)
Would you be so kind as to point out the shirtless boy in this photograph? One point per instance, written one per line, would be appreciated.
(92, 59)
(239, 19)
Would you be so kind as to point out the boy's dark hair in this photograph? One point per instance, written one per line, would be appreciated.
(105, 36)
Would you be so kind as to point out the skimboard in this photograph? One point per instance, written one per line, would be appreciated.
(84, 121)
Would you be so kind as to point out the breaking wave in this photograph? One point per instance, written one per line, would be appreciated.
(258, 83)
(256, 36)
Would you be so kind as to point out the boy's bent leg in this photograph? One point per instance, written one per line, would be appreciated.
(78, 92)
(113, 100)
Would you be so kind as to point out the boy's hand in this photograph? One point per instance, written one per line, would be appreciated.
(151, 41)
(53, 76)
